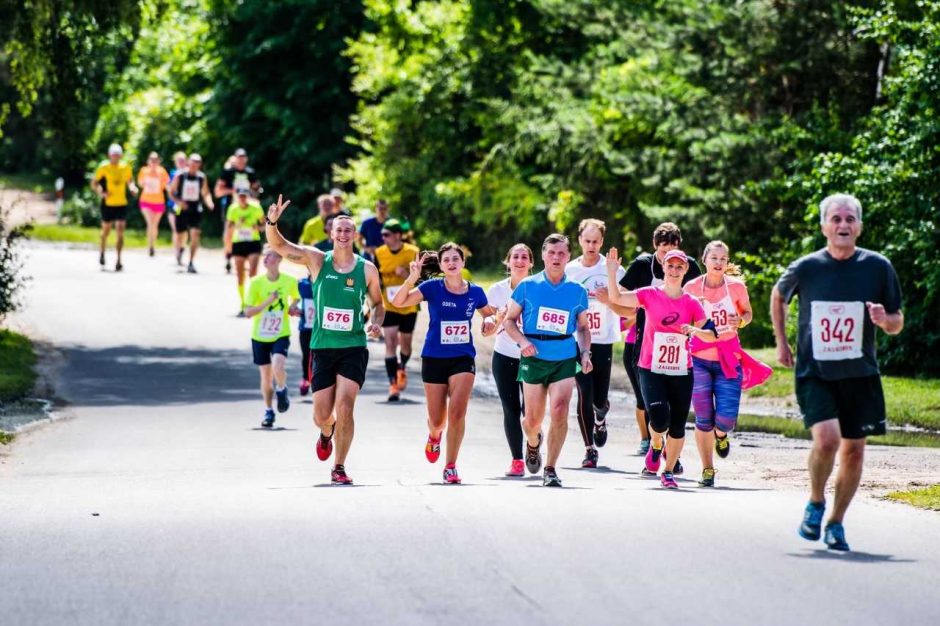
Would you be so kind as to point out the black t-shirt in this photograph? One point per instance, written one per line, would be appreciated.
(640, 273)
(838, 288)
(189, 188)
(239, 178)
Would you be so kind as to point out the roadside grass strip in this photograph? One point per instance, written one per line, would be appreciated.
(17, 360)
(133, 238)
(926, 498)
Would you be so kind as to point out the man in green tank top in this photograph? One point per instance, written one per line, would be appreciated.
(341, 281)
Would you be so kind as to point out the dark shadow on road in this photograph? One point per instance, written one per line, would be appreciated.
(600, 469)
(517, 479)
(562, 488)
(270, 430)
(854, 556)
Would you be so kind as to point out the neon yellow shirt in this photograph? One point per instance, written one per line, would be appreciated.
(274, 322)
(313, 232)
(245, 222)
(115, 178)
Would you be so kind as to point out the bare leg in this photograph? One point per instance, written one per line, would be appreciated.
(346, 392)
(119, 226)
(194, 234)
(534, 397)
(851, 459)
(673, 450)
(436, 395)
(641, 424)
(280, 375)
(559, 394)
(105, 231)
(460, 386)
(705, 441)
(822, 456)
(266, 391)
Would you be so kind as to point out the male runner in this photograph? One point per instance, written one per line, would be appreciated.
(552, 308)
(272, 297)
(314, 230)
(844, 293)
(341, 281)
(239, 176)
(590, 271)
(370, 232)
(393, 260)
(190, 190)
(111, 182)
(338, 199)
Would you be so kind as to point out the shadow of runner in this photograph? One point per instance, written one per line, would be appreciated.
(853, 556)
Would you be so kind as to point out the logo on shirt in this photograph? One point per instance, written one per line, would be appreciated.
(350, 282)
(452, 305)
(470, 308)
(670, 319)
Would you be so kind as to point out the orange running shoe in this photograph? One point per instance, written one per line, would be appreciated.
(393, 393)
(402, 380)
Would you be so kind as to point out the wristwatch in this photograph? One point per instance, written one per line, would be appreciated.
(587, 352)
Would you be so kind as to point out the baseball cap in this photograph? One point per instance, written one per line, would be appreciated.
(676, 254)
(115, 148)
(336, 192)
(392, 226)
(195, 157)
(241, 152)
(242, 191)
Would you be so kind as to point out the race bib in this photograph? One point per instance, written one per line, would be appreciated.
(151, 186)
(598, 320)
(552, 320)
(244, 234)
(271, 323)
(309, 311)
(337, 319)
(455, 332)
(837, 330)
(670, 354)
(720, 313)
(391, 291)
(191, 190)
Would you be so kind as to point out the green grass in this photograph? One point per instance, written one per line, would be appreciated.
(485, 277)
(927, 498)
(794, 429)
(133, 238)
(17, 360)
(29, 182)
(6, 438)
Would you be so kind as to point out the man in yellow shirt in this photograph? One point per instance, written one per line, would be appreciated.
(393, 259)
(111, 182)
(314, 230)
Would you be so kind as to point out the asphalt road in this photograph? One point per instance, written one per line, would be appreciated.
(160, 501)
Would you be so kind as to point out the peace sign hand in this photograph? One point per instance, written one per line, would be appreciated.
(415, 267)
(278, 208)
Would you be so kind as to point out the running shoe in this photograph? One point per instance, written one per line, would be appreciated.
(325, 445)
(339, 477)
(304, 387)
(600, 424)
(590, 458)
(722, 446)
(516, 469)
(812, 521)
(228, 266)
(644, 447)
(101, 260)
(268, 420)
(835, 537)
(533, 458)
(667, 481)
(283, 401)
(550, 478)
(402, 379)
(708, 477)
(191, 268)
(151, 251)
(432, 449)
(678, 470)
(118, 267)
(652, 459)
(179, 256)
(241, 313)
(393, 393)
(450, 475)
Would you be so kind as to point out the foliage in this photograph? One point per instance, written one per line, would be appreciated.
(925, 497)
(12, 280)
(17, 359)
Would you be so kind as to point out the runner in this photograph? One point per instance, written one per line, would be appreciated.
(153, 180)
(665, 366)
(341, 281)
(646, 270)
(448, 365)
(191, 192)
(245, 222)
(308, 313)
(370, 232)
(844, 293)
(111, 182)
(393, 260)
(338, 199)
(272, 297)
(180, 164)
(719, 368)
(506, 354)
(590, 271)
(314, 230)
(552, 308)
(235, 175)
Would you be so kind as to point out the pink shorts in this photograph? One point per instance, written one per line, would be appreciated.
(156, 207)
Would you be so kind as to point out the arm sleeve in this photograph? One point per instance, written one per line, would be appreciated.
(480, 297)
(518, 294)
(253, 298)
(428, 290)
(642, 294)
(892, 290)
(787, 284)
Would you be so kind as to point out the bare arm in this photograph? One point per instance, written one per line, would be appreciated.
(603, 296)
(254, 310)
(375, 295)
(311, 257)
(511, 327)
(222, 189)
(778, 316)
(489, 320)
(891, 323)
(206, 196)
(584, 342)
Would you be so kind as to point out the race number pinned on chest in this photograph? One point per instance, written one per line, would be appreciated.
(271, 324)
(391, 291)
(837, 330)
(598, 320)
(309, 312)
(244, 234)
(552, 320)
(720, 313)
(151, 186)
(191, 190)
(337, 319)
(455, 332)
(670, 354)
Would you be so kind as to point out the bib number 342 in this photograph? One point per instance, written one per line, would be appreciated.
(837, 330)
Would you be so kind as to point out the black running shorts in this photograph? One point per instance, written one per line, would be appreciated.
(436, 371)
(332, 362)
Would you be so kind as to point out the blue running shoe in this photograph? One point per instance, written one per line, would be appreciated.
(835, 537)
(268, 421)
(283, 402)
(812, 521)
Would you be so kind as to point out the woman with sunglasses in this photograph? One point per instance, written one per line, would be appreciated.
(448, 365)
(153, 179)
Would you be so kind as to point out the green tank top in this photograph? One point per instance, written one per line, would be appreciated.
(339, 299)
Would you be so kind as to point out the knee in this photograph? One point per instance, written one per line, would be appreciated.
(827, 443)
(658, 413)
(853, 453)
(704, 424)
(725, 424)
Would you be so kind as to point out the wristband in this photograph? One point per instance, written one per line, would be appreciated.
(267, 221)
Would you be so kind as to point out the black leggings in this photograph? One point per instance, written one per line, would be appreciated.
(593, 389)
(506, 372)
(667, 401)
(306, 363)
(629, 364)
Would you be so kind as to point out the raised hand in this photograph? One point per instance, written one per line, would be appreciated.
(613, 260)
(277, 209)
(415, 267)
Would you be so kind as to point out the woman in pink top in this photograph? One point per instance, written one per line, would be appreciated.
(716, 367)
(665, 365)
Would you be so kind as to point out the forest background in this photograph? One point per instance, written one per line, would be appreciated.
(496, 121)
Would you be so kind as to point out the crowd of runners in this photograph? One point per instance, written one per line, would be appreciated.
(555, 328)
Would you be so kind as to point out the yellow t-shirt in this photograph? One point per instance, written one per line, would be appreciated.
(274, 322)
(152, 184)
(314, 232)
(115, 182)
(245, 222)
(387, 262)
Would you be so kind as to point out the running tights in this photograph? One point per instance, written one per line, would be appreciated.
(593, 389)
(306, 363)
(667, 401)
(506, 371)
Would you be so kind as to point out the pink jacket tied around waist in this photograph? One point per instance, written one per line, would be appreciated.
(730, 353)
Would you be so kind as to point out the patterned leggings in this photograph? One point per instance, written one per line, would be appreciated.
(715, 398)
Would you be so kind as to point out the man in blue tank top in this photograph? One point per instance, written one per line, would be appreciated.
(552, 309)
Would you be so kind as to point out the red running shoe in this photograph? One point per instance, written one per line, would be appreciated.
(450, 475)
(516, 469)
(325, 445)
(432, 450)
(338, 476)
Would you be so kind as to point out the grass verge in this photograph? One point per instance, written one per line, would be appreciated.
(927, 498)
(17, 360)
(133, 238)
(794, 429)
(29, 182)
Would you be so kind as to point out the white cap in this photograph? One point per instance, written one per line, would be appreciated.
(336, 192)
(115, 148)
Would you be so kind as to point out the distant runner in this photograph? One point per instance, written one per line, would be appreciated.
(244, 223)
(314, 230)
(180, 164)
(370, 232)
(190, 190)
(111, 182)
(238, 176)
(153, 180)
